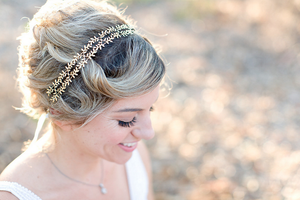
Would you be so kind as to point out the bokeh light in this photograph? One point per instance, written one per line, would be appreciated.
(229, 129)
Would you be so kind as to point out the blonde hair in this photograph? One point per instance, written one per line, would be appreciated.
(128, 67)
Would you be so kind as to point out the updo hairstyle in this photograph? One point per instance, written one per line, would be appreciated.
(127, 67)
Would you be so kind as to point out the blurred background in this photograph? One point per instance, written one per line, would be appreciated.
(229, 129)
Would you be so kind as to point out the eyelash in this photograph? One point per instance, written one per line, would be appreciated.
(131, 123)
(127, 124)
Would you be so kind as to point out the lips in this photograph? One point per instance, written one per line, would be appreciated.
(128, 147)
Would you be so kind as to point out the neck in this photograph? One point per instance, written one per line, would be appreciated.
(77, 164)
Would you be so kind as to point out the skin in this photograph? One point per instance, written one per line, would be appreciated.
(80, 151)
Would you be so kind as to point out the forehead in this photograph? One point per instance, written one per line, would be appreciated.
(141, 102)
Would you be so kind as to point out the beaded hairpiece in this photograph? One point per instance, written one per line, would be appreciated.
(71, 70)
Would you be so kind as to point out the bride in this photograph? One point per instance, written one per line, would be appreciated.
(85, 70)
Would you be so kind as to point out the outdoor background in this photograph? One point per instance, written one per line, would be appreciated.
(229, 128)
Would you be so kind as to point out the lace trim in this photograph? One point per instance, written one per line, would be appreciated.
(18, 190)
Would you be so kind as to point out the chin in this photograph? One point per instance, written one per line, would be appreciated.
(122, 160)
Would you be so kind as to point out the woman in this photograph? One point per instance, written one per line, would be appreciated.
(85, 68)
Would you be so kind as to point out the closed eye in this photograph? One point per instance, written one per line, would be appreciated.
(127, 124)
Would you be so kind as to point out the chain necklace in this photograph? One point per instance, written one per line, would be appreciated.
(103, 189)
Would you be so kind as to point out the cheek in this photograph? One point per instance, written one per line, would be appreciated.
(113, 134)
(118, 135)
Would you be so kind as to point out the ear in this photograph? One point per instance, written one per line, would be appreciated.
(64, 125)
(54, 111)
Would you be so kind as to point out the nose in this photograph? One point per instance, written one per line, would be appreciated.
(144, 129)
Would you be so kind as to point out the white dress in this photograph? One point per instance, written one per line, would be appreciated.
(136, 175)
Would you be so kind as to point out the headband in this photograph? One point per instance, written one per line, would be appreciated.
(71, 70)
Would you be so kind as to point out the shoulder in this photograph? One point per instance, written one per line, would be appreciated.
(26, 173)
(13, 171)
(26, 170)
(7, 196)
(18, 167)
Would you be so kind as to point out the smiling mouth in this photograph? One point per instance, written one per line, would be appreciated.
(128, 147)
(128, 144)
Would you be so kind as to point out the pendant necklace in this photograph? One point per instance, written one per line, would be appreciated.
(103, 189)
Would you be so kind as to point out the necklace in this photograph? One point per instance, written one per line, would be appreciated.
(103, 189)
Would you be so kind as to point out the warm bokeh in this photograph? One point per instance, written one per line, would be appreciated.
(229, 128)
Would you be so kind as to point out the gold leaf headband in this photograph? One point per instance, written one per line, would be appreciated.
(55, 90)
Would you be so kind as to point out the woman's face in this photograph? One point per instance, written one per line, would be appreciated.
(114, 134)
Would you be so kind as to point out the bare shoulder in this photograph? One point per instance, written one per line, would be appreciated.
(24, 170)
(30, 170)
(13, 170)
(17, 167)
(7, 196)
(12, 173)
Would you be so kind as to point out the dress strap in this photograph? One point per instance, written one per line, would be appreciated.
(138, 181)
(18, 190)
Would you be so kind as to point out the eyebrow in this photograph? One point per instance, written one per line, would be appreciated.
(132, 109)
(129, 110)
